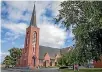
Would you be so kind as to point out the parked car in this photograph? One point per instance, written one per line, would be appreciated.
(63, 67)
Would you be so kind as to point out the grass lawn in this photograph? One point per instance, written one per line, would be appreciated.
(83, 70)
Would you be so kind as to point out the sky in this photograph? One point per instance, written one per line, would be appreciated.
(15, 18)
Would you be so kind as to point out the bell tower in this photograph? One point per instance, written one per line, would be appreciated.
(32, 42)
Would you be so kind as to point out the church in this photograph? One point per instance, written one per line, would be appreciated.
(34, 55)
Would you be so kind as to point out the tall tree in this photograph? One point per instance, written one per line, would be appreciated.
(15, 53)
(7, 61)
(69, 58)
(11, 59)
(86, 19)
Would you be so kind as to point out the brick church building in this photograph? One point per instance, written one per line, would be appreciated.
(34, 55)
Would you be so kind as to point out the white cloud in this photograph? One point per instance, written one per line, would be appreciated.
(21, 5)
(2, 41)
(51, 35)
(54, 35)
(71, 34)
(3, 55)
(15, 28)
(16, 9)
(14, 31)
(21, 46)
(56, 7)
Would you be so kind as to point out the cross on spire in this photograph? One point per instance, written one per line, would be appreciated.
(33, 18)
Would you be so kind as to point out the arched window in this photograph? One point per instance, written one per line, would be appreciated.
(34, 41)
(27, 38)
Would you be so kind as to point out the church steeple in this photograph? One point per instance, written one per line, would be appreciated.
(33, 18)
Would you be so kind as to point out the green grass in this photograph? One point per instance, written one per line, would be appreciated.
(83, 70)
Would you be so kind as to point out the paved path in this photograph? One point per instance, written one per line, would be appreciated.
(26, 70)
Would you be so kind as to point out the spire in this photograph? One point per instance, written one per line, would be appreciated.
(33, 18)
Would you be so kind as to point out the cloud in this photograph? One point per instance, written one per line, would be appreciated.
(51, 35)
(3, 55)
(16, 9)
(15, 31)
(71, 33)
(15, 28)
(2, 41)
(56, 7)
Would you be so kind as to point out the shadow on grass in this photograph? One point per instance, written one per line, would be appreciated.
(83, 70)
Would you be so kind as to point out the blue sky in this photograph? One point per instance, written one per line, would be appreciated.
(15, 18)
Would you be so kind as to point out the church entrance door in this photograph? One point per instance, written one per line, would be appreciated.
(34, 61)
(44, 63)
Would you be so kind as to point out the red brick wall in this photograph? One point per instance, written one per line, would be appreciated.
(47, 59)
(98, 64)
(31, 29)
(27, 51)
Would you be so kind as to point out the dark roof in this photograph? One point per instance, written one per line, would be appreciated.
(51, 51)
(65, 50)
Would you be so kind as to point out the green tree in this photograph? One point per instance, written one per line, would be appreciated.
(7, 61)
(11, 59)
(62, 61)
(69, 58)
(15, 53)
(86, 19)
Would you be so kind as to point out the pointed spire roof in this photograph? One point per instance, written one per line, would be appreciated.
(33, 18)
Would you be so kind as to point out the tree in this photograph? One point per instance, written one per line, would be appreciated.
(14, 53)
(86, 19)
(69, 58)
(7, 61)
(62, 61)
(11, 59)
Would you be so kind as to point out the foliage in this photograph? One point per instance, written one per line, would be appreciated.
(15, 53)
(11, 59)
(69, 58)
(86, 19)
(7, 60)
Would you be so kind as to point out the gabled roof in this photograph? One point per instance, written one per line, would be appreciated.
(51, 51)
(65, 50)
